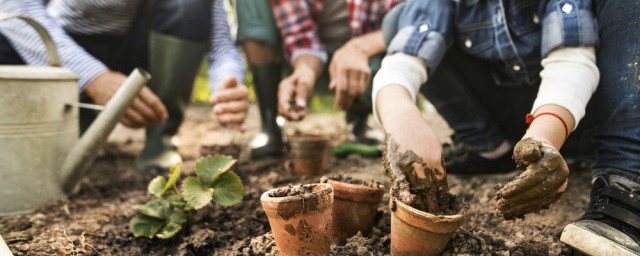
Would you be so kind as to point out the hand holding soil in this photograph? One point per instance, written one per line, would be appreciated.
(415, 183)
(542, 183)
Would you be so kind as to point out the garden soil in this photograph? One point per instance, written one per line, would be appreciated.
(94, 220)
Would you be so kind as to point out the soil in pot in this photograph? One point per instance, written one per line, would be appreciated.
(300, 218)
(424, 214)
(232, 150)
(309, 153)
(355, 205)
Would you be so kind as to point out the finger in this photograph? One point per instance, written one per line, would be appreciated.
(231, 118)
(231, 94)
(147, 113)
(135, 119)
(231, 107)
(541, 192)
(527, 151)
(285, 94)
(354, 86)
(364, 81)
(341, 90)
(125, 121)
(152, 101)
(510, 211)
(303, 92)
(526, 180)
(229, 82)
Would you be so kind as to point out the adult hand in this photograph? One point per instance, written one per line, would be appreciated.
(350, 74)
(146, 109)
(542, 183)
(295, 90)
(231, 103)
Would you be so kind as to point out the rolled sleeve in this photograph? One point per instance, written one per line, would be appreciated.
(424, 30)
(568, 23)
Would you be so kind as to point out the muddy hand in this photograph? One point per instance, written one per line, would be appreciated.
(542, 183)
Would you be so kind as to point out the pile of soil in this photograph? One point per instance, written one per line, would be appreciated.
(351, 180)
(291, 190)
(94, 221)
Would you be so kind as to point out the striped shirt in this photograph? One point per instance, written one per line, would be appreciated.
(103, 17)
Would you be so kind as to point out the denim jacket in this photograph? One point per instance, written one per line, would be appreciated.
(513, 35)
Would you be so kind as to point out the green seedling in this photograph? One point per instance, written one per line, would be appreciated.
(166, 214)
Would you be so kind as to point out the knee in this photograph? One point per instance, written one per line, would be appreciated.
(187, 19)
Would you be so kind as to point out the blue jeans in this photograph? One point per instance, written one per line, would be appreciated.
(483, 112)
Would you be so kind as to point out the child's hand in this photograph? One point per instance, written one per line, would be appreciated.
(542, 183)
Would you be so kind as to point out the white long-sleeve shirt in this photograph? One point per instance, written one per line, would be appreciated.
(569, 78)
(103, 17)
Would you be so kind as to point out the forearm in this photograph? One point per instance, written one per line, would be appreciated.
(23, 38)
(569, 78)
(309, 65)
(550, 128)
(224, 58)
(392, 102)
(370, 44)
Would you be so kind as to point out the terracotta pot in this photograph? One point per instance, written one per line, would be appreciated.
(309, 153)
(414, 232)
(300, 224)
(232, 150)
(354, 209)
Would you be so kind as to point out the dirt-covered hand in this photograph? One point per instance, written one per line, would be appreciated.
(350, 74)
(542, 183)
(146, 109)
(293, 93)
(231, 103)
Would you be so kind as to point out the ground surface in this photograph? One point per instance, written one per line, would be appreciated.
(94, 221)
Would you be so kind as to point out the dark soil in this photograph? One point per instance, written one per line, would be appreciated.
(351, 180)
(94, 221)
(297, 190)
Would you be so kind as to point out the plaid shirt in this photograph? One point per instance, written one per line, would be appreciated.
(297, 22)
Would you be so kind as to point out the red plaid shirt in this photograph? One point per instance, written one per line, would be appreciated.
(297, 22)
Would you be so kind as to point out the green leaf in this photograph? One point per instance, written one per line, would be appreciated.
(142, 225)
(156, 186)
(228, 189)
(210, 168)
(195, 193)
(155, 208)
(174, 174)
(174, 225)
(175, 200)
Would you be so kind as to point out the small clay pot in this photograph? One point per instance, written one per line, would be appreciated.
(231, 150)
(355, 207)
(301, 224)
(414, 232)
(309, 153)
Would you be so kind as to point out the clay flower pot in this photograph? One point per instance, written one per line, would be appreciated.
(414, 232)
(354, 207)
(309, 153)
(232, 150)
(300, 222)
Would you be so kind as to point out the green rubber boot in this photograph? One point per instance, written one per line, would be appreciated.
(267, 143)
(174, 64)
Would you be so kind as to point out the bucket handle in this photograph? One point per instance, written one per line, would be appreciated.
(52, 52)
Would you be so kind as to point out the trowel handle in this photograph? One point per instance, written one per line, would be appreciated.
(82, 154)
(52, 52)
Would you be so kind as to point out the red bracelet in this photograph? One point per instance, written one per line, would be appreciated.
(530, 118)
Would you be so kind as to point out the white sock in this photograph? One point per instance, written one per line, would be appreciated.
(502, 149)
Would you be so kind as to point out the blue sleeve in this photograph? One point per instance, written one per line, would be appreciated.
(424, 29)
(568, 23)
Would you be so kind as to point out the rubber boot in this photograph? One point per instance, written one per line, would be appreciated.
(359, 130)
(267, 143)
(174, 63)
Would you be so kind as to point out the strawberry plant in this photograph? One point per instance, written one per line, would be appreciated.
(165, 215)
